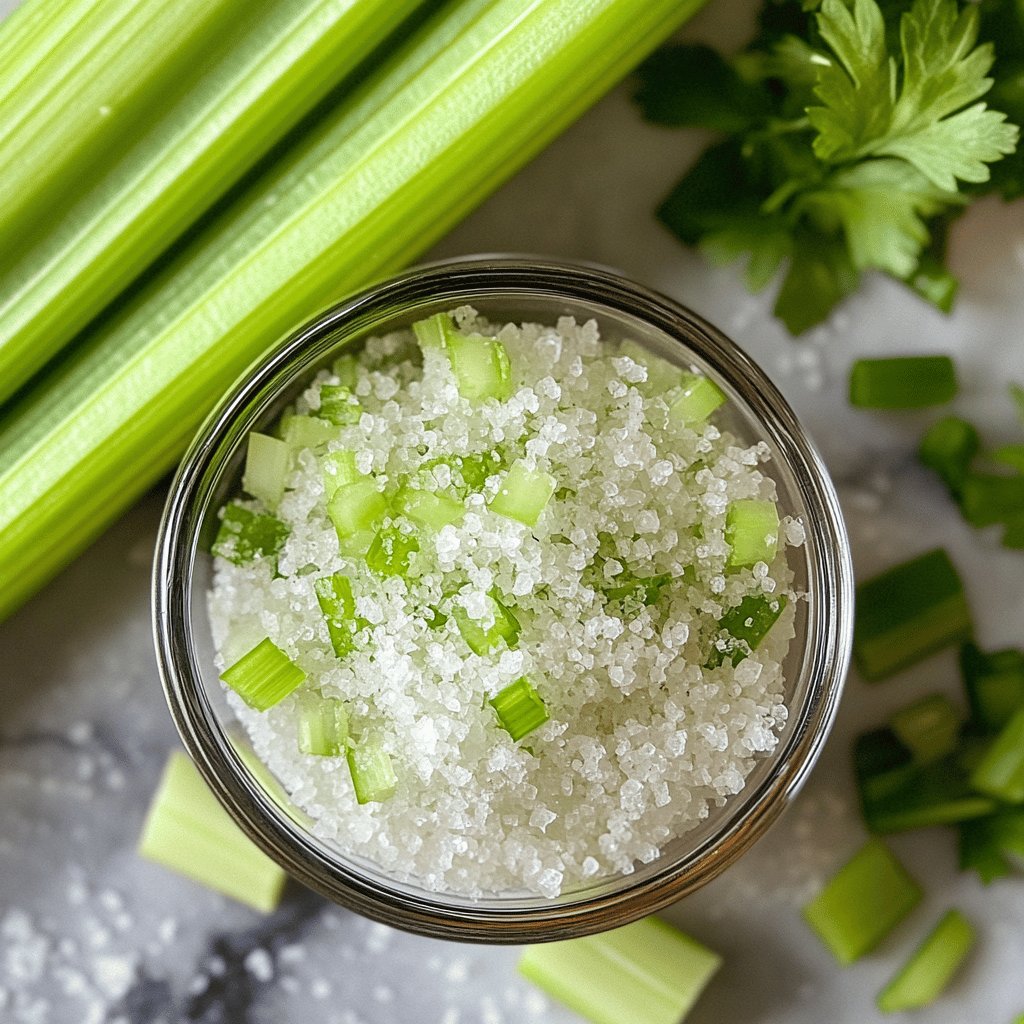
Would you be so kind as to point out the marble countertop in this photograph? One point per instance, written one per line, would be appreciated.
(90, 934)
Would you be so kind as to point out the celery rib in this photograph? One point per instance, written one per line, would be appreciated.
(397, 169)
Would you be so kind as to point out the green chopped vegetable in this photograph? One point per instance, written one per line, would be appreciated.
(902, 382)
(863, 902)
(345, 368)
(854, 133)
(428, 509)
(929, 728)
(266, 466)
(334, 595)
(646, 973)
(307, 431)
(323, 726)
(373, 775)
(1000, 773)
(751, 531)
(355, 508)
(638, 590)
(745, 625)
(480, 365)
(987, 499)
(433, 333)
(339, 469)
(994, 684)
(244, 535)
(949, 448)
(524, 493)
(907, 613)
(924, 977)
(698, 398)
(390, 551)
(662, 376)
(992, 845)
(483, 639)
(377, 178)
(520, 708)
(338, 405)
(188, 831)
(264, 676)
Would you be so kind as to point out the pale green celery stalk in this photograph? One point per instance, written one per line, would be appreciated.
(242, 78)
(432, 134)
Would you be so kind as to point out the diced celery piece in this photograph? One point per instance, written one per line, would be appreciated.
(338, 405)
(751, 531)
(1000, 773)
(429, 509)
(264, 676)
(994, 844)
(745, 626)
(638, 590)
(390, 550)
(645, 973)
(902, 382)
(307, 431)
(948, 448)
(698, 398)
(373, 775)
(994, 684)
(924, 977)
(520, 708)
(245, 535)
(928, 728)
(862, 903)
(476, 469)
(266, 466)
(334, 595)
(355, 508)
(662, 375)
(1011, 455)
(482, 639)
(480, 365)
(986, 498)
(524, 493)
(322, 725)
(345, 368)
(432, 334)
(188, 831)
(1013, 535)
(339, 469)
(907, 613)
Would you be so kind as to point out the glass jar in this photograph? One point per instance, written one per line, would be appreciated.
(502, 289)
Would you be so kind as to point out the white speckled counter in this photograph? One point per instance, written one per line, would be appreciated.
(89, 934)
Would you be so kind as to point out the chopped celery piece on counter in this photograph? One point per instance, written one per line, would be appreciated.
(524, 493)
(373, 775)
(307, 431)
(432, 334)
(924, 977)
(339, 469)
(1000, 773)
(987, 498)
(244, 535)
(520, 708)
(266, 466)
(334, 595)
(189, 832)
(345, 369)
(863, 902)
(751, 531)
(322, 725)
(929, 728)
(355, 508)
(429, 509)
(1011, 455)
(264, 676)
(907, 613)
(645, 973)
(902, 382)
(994, 684)
(338, 405)
(390, 551)
(993, 845)
(1013, 535)
(482, 639)
(698, 398)
(662, 375)
(948, 448)
(745, 626)
(480, 365)
(879, 752)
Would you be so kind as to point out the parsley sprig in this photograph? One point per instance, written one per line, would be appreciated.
(854, 133)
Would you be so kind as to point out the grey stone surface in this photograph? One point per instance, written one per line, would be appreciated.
(90, 934)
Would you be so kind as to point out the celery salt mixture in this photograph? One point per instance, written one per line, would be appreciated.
(504, 607)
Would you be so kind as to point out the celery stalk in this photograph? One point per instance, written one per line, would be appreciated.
(434, 131)
(130, 120)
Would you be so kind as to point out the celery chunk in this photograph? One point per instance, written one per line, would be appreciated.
(480, 365)
(698, 398)
(322, 726)
(373, 775)
(245, 535)
(483, 639)
(334, 595)
(264, 676)
(751, 531)
(338, 405)
(520, 708)
(266, 466)
(355, 508)
(390, 551)
(524, 493)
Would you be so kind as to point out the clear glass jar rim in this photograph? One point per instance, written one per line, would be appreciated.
(434, 914)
